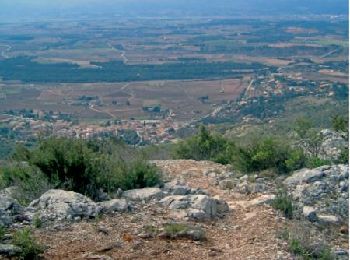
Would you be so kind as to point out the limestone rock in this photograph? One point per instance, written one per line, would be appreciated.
(325, 189)
(197, 207)
(305, 176)
(9, 250)
(56, 205)
(310, 213)
(9, 208)
(145, 194)
(332, 144)
(175, 188)
(263, 199)
(114, 205)
(328, 219)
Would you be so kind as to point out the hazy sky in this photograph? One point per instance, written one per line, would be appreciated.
(17, 9)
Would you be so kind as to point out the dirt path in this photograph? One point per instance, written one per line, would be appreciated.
(250, 232)
(247, 232)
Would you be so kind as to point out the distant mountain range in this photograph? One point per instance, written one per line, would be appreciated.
(30, 9)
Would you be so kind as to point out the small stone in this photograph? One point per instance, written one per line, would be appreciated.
(310, 213)
(244, 178)
(341, 252)
(344, 229)
(328, 219)
(9, 250)
(263, 199)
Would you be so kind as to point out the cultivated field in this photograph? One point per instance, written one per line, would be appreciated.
(186, 100)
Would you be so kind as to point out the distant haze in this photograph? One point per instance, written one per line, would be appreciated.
(36, 9)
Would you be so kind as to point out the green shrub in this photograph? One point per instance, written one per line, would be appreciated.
(296, 160)
(29, 181)
(142, 174)
(344, 156)
(204, 146)
(261, 154)
(283, 203)
(139, 174)
(174, 228)
(2, 233)
(66, 162)
(302, 126)
(37, 223)
(266, 154)
(24, 239)
(89, 166)
(314, 162)
(340, 123)
(297, 248)
(303, 243)
(325, 254)
(158, 152)
(307, 252)
(183, 231)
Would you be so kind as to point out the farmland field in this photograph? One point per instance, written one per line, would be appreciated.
(124, 100)
(97, 70)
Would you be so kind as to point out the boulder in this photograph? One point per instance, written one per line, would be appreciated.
(204, 203)
(145, 194)
(221, 206)
(56, 205)
(176, 202)
(114, 205)
(9, 208)
(304, 176)
(177, 187)
(332, 144)
(174, 188)
(325, 189)
(196, 207)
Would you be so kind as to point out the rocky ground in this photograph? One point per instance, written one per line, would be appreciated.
(204, 212)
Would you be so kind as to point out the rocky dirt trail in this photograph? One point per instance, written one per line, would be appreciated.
(248, 231)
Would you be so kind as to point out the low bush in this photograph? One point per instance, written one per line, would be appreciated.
(340, 123)
(266, 154)
(183, 231)
(304, 244)
(259, 155)
(2, 233)
(344, 156)
(68, 164)
(283, 203)
(29, 181)
(24, 239)
(173, 229)
(314, 162)
(141, 175)
(87, 166)
(204, 146)
(37, 223)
